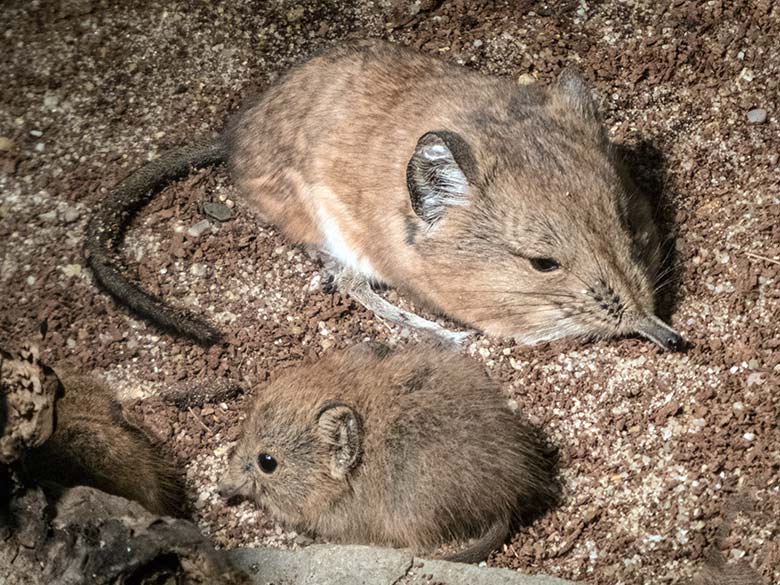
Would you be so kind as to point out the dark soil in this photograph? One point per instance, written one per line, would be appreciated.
(671, 461)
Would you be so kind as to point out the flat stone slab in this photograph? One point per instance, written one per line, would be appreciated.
(326, 564)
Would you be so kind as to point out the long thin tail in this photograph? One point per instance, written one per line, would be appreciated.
(487, 543)
(107, 226)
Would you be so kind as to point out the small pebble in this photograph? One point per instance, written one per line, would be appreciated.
(198, 269)
(314, 283)
(295, 14)
(48, 217)
(6, 144)
(757, 116)
(218, 211)
(50, 102)
(70, 215)
(36, 133)
(526, 79)
(71, 269)
(303, 540)
(199, 229)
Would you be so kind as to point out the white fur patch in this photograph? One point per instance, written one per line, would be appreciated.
(335, 243)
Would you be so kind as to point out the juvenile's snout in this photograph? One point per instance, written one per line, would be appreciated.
(231, 487)
(660, 333)
(227, 490)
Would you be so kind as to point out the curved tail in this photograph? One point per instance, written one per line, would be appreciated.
(107, 225)
(487, 543)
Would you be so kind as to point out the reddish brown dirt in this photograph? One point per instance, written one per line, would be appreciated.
(671, 461)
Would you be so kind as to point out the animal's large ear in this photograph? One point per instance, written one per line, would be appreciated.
(575, 93)
(340, 430)
(437, 174)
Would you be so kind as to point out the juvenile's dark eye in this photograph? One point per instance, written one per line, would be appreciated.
(544, 264)
(266, 463)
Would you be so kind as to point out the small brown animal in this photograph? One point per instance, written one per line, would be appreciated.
(93, 444)
(410, 449)
(501, 206)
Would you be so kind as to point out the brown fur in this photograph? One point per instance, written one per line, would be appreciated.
(338, 134)
(434, 454)
(93, 444)
(440, 181)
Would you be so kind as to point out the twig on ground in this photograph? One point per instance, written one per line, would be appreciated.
(760, 257)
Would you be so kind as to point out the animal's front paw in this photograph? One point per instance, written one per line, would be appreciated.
(328, 282)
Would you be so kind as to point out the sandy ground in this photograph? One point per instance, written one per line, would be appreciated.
(671, 462)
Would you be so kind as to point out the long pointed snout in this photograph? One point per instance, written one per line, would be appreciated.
(660, 333)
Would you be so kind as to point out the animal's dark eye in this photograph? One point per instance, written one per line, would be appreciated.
(544, 264)
(266, 463)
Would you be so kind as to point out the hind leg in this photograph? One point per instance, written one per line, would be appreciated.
(359, 288)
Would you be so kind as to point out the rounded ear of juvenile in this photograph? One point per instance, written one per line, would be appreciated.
(437, 174)
(340, 430)
(575, 93)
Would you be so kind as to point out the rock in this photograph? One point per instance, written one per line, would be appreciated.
(526, 79)
(48, 217)
(325, 564)
(199, 229)
(314, 283)
(29, 391)
(295, 14)
(71, 270)
(218, 211)
(51, 101)
(70, 215)
(95, 538)
(198, 270)
(6, 144)
(303, 540)
(757, 116)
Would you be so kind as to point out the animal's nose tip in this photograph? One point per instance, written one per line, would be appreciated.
(226, 490)
(674, 341)
(661, 334)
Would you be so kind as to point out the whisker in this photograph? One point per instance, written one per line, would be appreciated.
(668, 270)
